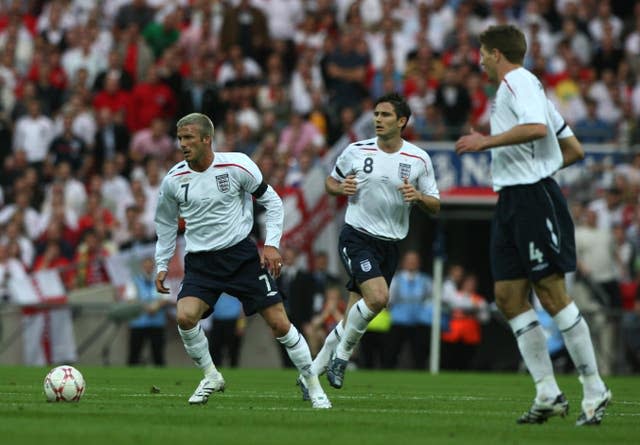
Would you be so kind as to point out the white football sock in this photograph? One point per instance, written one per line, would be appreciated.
(320, 363)
(298, 351)
(357, 321)
(533, 348)
(577, 339)
(197, 347)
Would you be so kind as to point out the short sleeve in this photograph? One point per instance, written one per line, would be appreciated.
(528, 101)
(427, 180)
(344, 165)
(249, 175)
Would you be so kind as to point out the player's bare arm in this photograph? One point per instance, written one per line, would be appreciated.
(160, 287)
(475, 141)
(348, 187)
(571, 149)
(272, 260)
(426, 203)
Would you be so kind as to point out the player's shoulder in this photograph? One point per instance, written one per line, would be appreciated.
(413, 151)
(179, 170)
(521, 81)
(236, 163)
(363, 145)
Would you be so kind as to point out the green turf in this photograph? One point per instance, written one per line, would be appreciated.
(264, 407)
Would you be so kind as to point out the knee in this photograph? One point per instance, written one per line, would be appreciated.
(510, 305)
(377, 300)
(277, 320)
(186, 320)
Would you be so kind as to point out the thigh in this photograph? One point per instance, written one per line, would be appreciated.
(365, 257)
(503, 248)
(544, 231)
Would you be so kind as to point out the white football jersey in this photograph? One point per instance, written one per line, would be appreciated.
(558, 124)
(378, 207)
(520, 99)
(216, 206)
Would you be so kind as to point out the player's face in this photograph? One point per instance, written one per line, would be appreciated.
(194, 146)
(488, 62)
(386, 121)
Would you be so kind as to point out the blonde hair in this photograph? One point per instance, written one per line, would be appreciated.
(202, 121)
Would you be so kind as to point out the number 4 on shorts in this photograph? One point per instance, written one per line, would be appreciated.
(534, 253)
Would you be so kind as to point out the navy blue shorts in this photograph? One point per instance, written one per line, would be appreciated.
(365, 257)
(235, 270)
(532, 233)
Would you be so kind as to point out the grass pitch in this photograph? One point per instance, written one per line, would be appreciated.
(264, 407)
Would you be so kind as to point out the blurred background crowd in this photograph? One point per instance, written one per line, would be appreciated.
(90, 93)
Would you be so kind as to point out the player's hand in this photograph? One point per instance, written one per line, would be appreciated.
(473, 142)
(160, 282)
(272, 260)
(409, 192)
(349, 186)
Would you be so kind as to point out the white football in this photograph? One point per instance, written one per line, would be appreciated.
(64, 384)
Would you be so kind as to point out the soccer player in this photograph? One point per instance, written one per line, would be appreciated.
(383, 178)
(532, 242)
(213, 193)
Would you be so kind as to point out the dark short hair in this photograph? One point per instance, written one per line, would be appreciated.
(400, 106)
(507, 39)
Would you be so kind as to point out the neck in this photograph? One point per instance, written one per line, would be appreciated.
(390, 144)
(505, 69)
(202, 164)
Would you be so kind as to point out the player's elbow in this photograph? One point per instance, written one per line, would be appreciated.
(539, 131)
(432, 205)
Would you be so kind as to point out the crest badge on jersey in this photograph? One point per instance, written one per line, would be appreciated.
(404, 171)
(224, 185)
(365, 265)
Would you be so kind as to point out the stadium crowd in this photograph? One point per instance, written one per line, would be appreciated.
(90, 93)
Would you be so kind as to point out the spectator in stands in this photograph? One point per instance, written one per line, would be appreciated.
(150, 99)
(227, 330)
(30, 216)
(52, 258)
(346, 71)
(463, 335)
(164, 31)
(200, 95)
(297, 287)
(68, 146)
(299, 135)
(112, 96)
(454, 103)
(9, 267)
(134, 12)
(136, 55)
(33, 134)
(150, 325)
(332, 313)
(246, 26)
(96, 211)
(595, 248)
(591, 128)
(111, 137)
(89, 260)
(114, 68)
(82, 55)
(153, 141)
(410, 297)
(14, 235)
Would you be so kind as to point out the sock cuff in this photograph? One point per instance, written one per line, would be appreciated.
(524, 322)
(364, 310)
(291, 338)
(189, 333)
(568, 317)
